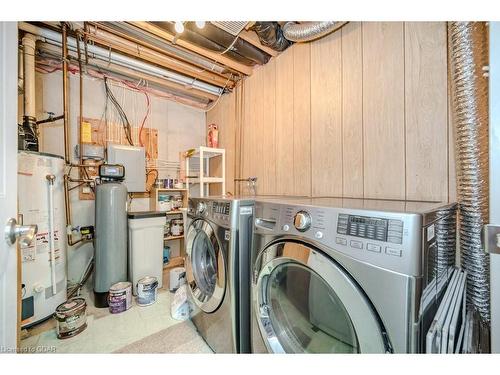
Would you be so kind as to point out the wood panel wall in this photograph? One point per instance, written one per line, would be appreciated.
(363, 112)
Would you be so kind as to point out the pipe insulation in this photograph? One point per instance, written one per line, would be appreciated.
(468, 55)
(108, 55)
(29, 47)
(308, 31)
(271, 35)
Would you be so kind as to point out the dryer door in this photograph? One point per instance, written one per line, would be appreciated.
(306, 303)
(205, 266)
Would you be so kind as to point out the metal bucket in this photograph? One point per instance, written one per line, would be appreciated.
(71, 317)
(146, 291)
(120, 297)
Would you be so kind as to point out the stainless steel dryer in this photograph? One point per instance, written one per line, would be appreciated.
(348, 275)
(217, 270)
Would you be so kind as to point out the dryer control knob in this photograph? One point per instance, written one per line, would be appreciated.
(302, 221)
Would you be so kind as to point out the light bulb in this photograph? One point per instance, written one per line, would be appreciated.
(179, 27)
(200, 24)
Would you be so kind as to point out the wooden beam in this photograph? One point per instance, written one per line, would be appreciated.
(173, 60)
(155, 30)
(143, 54)
(252, 38)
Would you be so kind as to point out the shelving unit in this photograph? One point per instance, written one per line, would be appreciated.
(155, 192)
(201, 158)
(154, 206)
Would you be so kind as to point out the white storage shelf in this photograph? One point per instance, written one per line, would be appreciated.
(201, 158)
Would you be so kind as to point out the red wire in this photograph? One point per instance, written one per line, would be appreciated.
(145, 118)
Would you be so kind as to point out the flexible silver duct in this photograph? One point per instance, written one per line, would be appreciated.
(468, 54)
(307, 31)
(446, 239)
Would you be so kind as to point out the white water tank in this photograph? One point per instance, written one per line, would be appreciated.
(44, 273)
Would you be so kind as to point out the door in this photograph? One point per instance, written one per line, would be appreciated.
(205, 266)
(306, 303)
(495, 179)
(8, 183)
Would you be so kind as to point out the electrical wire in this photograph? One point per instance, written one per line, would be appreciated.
(121, 113)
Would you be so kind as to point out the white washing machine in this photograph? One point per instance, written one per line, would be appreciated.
(348, 275)
(218, 243)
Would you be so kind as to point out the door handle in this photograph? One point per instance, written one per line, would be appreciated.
(14, 231)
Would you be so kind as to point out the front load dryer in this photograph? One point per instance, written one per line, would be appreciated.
(348, 275)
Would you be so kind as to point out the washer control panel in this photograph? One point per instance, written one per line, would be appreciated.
(217, 211)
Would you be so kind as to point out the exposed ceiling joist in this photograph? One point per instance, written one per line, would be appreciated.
(199, 50)
(141, 53)
(177, 61)
(253, 39)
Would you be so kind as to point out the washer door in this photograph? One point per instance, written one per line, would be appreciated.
(205, 266)
(306, 303)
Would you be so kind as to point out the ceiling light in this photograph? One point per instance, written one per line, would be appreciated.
(179, 27)
(200, 24)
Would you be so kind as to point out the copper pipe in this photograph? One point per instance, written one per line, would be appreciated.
(81, 95)
(67, 205)
(65, 91)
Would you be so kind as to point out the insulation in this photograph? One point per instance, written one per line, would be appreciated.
(468, 54)
(271, 35)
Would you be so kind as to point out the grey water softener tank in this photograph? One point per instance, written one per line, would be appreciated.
(110, 241)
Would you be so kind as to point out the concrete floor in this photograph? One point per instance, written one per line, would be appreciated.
(106, 333)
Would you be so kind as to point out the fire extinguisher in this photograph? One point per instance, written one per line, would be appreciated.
(213, 136)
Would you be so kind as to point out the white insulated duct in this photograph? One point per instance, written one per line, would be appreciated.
(119, 59)
(468, 54)
(308, 31)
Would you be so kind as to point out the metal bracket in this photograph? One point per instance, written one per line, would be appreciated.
(491, 238)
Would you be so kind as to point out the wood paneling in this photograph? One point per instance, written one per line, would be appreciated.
(352, 110)
(426, 110)
(284, 124)
(326, 116)
(302, 119)
(267, 179)
(362, 112)
(223, 115)
(383, 110)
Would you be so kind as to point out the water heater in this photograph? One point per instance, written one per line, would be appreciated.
(41, 202)
(110, 241)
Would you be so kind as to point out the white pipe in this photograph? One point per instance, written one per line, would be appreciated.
(29, 42)
(50, 179)
(119, 59)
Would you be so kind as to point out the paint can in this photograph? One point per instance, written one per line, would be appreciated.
(120, 297)
(71, 317)
(146, 291)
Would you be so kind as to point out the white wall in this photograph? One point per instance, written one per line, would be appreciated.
(179, 128)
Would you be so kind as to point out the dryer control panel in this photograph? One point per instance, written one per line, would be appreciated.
(373, 228)
(386, 239)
